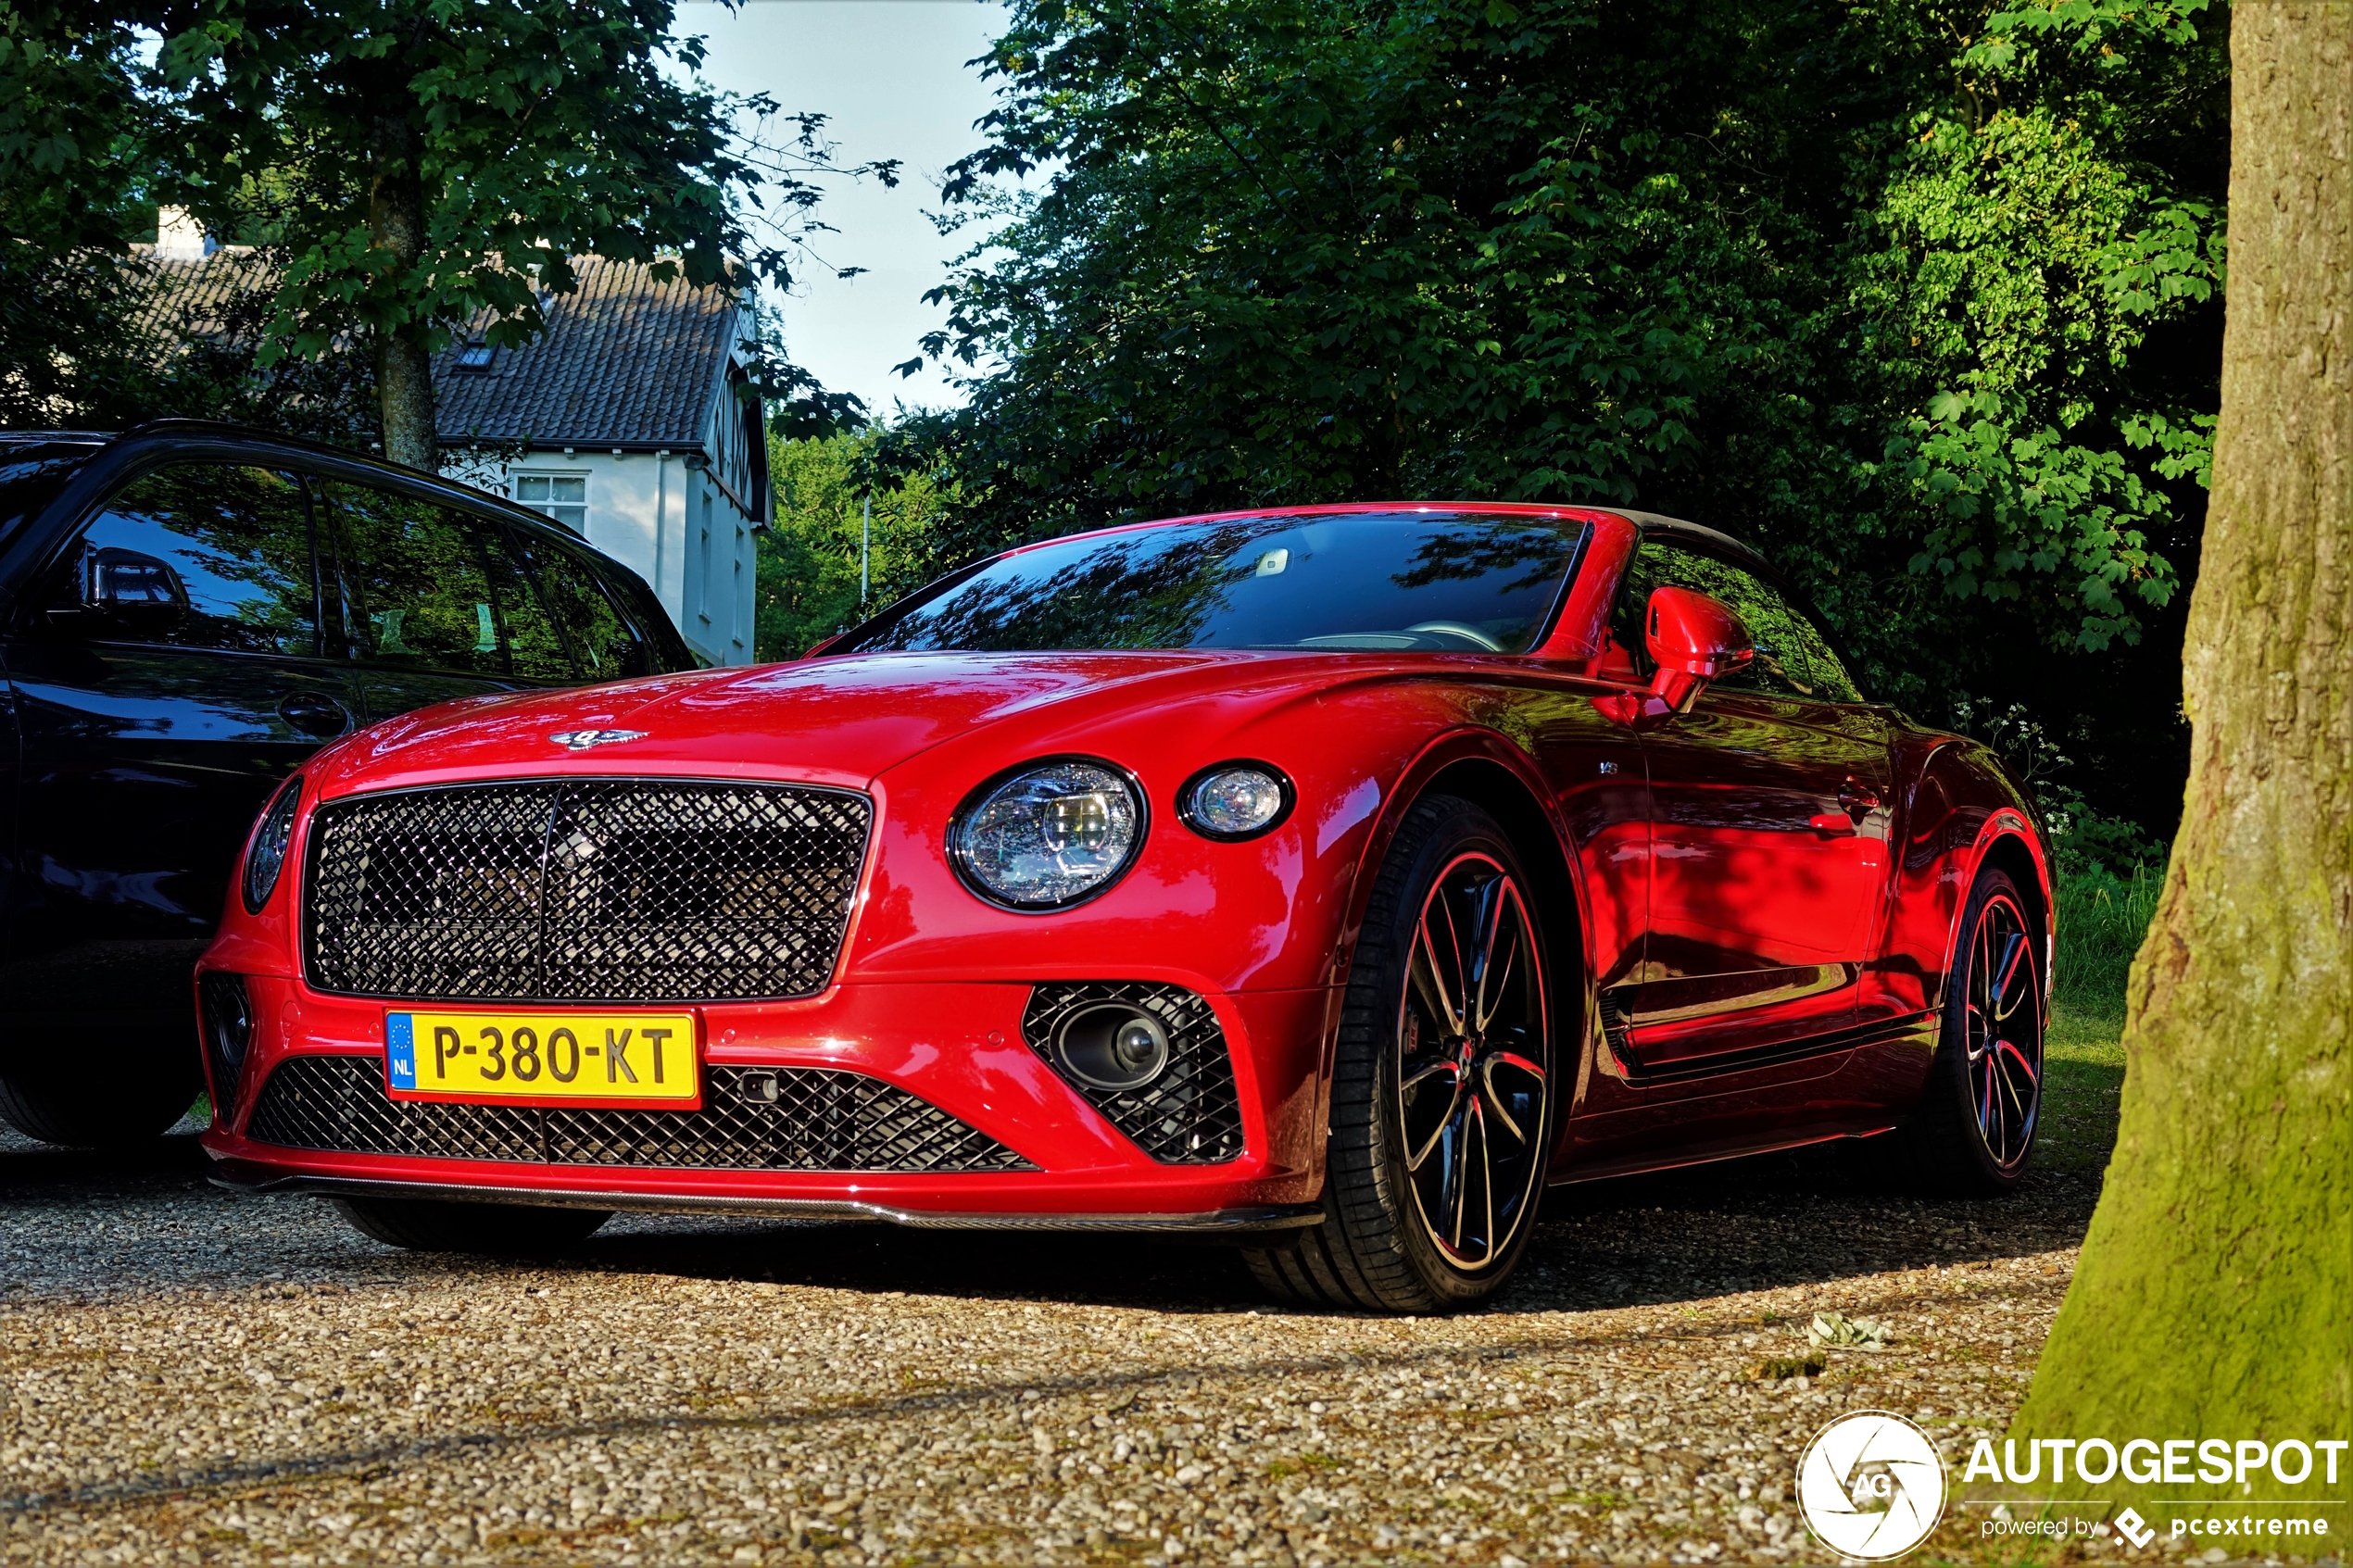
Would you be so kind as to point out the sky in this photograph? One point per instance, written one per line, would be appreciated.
(891, 76)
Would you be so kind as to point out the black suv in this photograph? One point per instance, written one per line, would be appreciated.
(187, 611)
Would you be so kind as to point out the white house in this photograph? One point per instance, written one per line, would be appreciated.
(623, 422)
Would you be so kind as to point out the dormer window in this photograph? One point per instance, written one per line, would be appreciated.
(474, 356)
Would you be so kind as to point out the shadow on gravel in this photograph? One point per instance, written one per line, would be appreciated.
(32, 1169)
(1799, 1219)
(1802, 1218)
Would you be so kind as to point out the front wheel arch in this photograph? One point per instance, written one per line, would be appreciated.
(1471, 772)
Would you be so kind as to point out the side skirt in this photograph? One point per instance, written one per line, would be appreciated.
(1918, 1028)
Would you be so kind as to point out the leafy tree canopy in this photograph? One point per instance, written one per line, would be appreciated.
(1920, 295)
(400, 165)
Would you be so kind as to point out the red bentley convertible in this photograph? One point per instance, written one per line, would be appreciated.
(1333, 879)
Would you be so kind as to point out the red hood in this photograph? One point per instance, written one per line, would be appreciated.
(834, 721)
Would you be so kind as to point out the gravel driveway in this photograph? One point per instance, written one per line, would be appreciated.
(194, 1377)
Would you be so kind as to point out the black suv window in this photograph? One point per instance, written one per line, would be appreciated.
(1782, 636)
(430, 586)
(198, 555)
(605, 644)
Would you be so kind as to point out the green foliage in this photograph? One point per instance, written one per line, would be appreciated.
(808, 586)
(538, 130)
(70, 122)
(401, 166)
(2102, 918)
(1919, 296)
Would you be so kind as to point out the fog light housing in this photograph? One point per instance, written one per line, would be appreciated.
(1113, 1045)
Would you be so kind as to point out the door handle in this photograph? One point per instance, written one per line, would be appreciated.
(1856, 797)
(1832, 824)
(315, 715)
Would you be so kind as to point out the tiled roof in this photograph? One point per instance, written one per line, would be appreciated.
(193, 298)
(625, 361)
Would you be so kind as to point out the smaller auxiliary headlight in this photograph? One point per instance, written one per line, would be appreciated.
(1113, 1045)
(266, 854)
(1235, 800)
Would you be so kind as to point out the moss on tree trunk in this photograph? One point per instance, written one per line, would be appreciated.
(2215, 1289)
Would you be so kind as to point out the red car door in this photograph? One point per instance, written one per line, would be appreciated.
(1768, 852)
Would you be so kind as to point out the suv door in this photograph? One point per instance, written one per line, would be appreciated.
(167, 674)
(433, 603)
(1768, 827)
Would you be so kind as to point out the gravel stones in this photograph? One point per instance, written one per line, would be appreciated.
(187, 1376)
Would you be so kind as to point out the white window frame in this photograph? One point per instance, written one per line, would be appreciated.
(546, 508)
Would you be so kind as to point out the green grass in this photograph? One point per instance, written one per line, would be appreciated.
(2102, 919)
(2083, 1079)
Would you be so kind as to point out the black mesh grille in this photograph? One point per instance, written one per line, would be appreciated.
(754, 1119)
(639, 890)
(1191, 1114)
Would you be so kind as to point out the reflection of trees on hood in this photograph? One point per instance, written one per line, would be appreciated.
(1464, 554)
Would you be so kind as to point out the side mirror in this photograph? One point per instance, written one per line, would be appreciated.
(1693, 640)
(132, 591)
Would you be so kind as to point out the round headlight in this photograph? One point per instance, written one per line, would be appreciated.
(1047, 835)
(1235, 800)
(266, 855)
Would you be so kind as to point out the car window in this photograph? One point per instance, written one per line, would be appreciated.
(1830, 679)
(605, 645)
(534, 644)
(1778, 628)
(198, 555)
(1432, 582)
(424, 587)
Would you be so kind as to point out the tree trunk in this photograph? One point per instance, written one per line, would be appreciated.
(397, 224)
(2212, 1298)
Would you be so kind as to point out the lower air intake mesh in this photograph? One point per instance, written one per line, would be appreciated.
(1192, 1114)
(754, 1119)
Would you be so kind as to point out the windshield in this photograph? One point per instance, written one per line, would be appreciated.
(1441, 581)
(31, 473)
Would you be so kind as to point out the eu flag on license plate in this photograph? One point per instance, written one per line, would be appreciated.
(400, 1050)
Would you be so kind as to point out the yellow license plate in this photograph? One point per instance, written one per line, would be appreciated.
(545, 1057)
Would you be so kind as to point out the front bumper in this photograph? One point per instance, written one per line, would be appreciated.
(957, 1046)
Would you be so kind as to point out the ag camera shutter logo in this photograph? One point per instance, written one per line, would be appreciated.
(1870, 1485)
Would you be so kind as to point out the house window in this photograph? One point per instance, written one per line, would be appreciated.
(474, 356)
(563, 496)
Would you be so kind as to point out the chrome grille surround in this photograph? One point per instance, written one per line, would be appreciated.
(636, 890)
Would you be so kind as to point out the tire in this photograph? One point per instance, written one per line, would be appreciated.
(1428, 1196)
(496, 1230)
(1979, 1116)
(146, 1095)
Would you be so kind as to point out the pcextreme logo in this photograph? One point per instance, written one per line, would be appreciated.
(1870, 1485)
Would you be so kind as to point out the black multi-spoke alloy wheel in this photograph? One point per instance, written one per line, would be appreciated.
(496, 1230)
(1977, 1120)
(1443, 1099)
